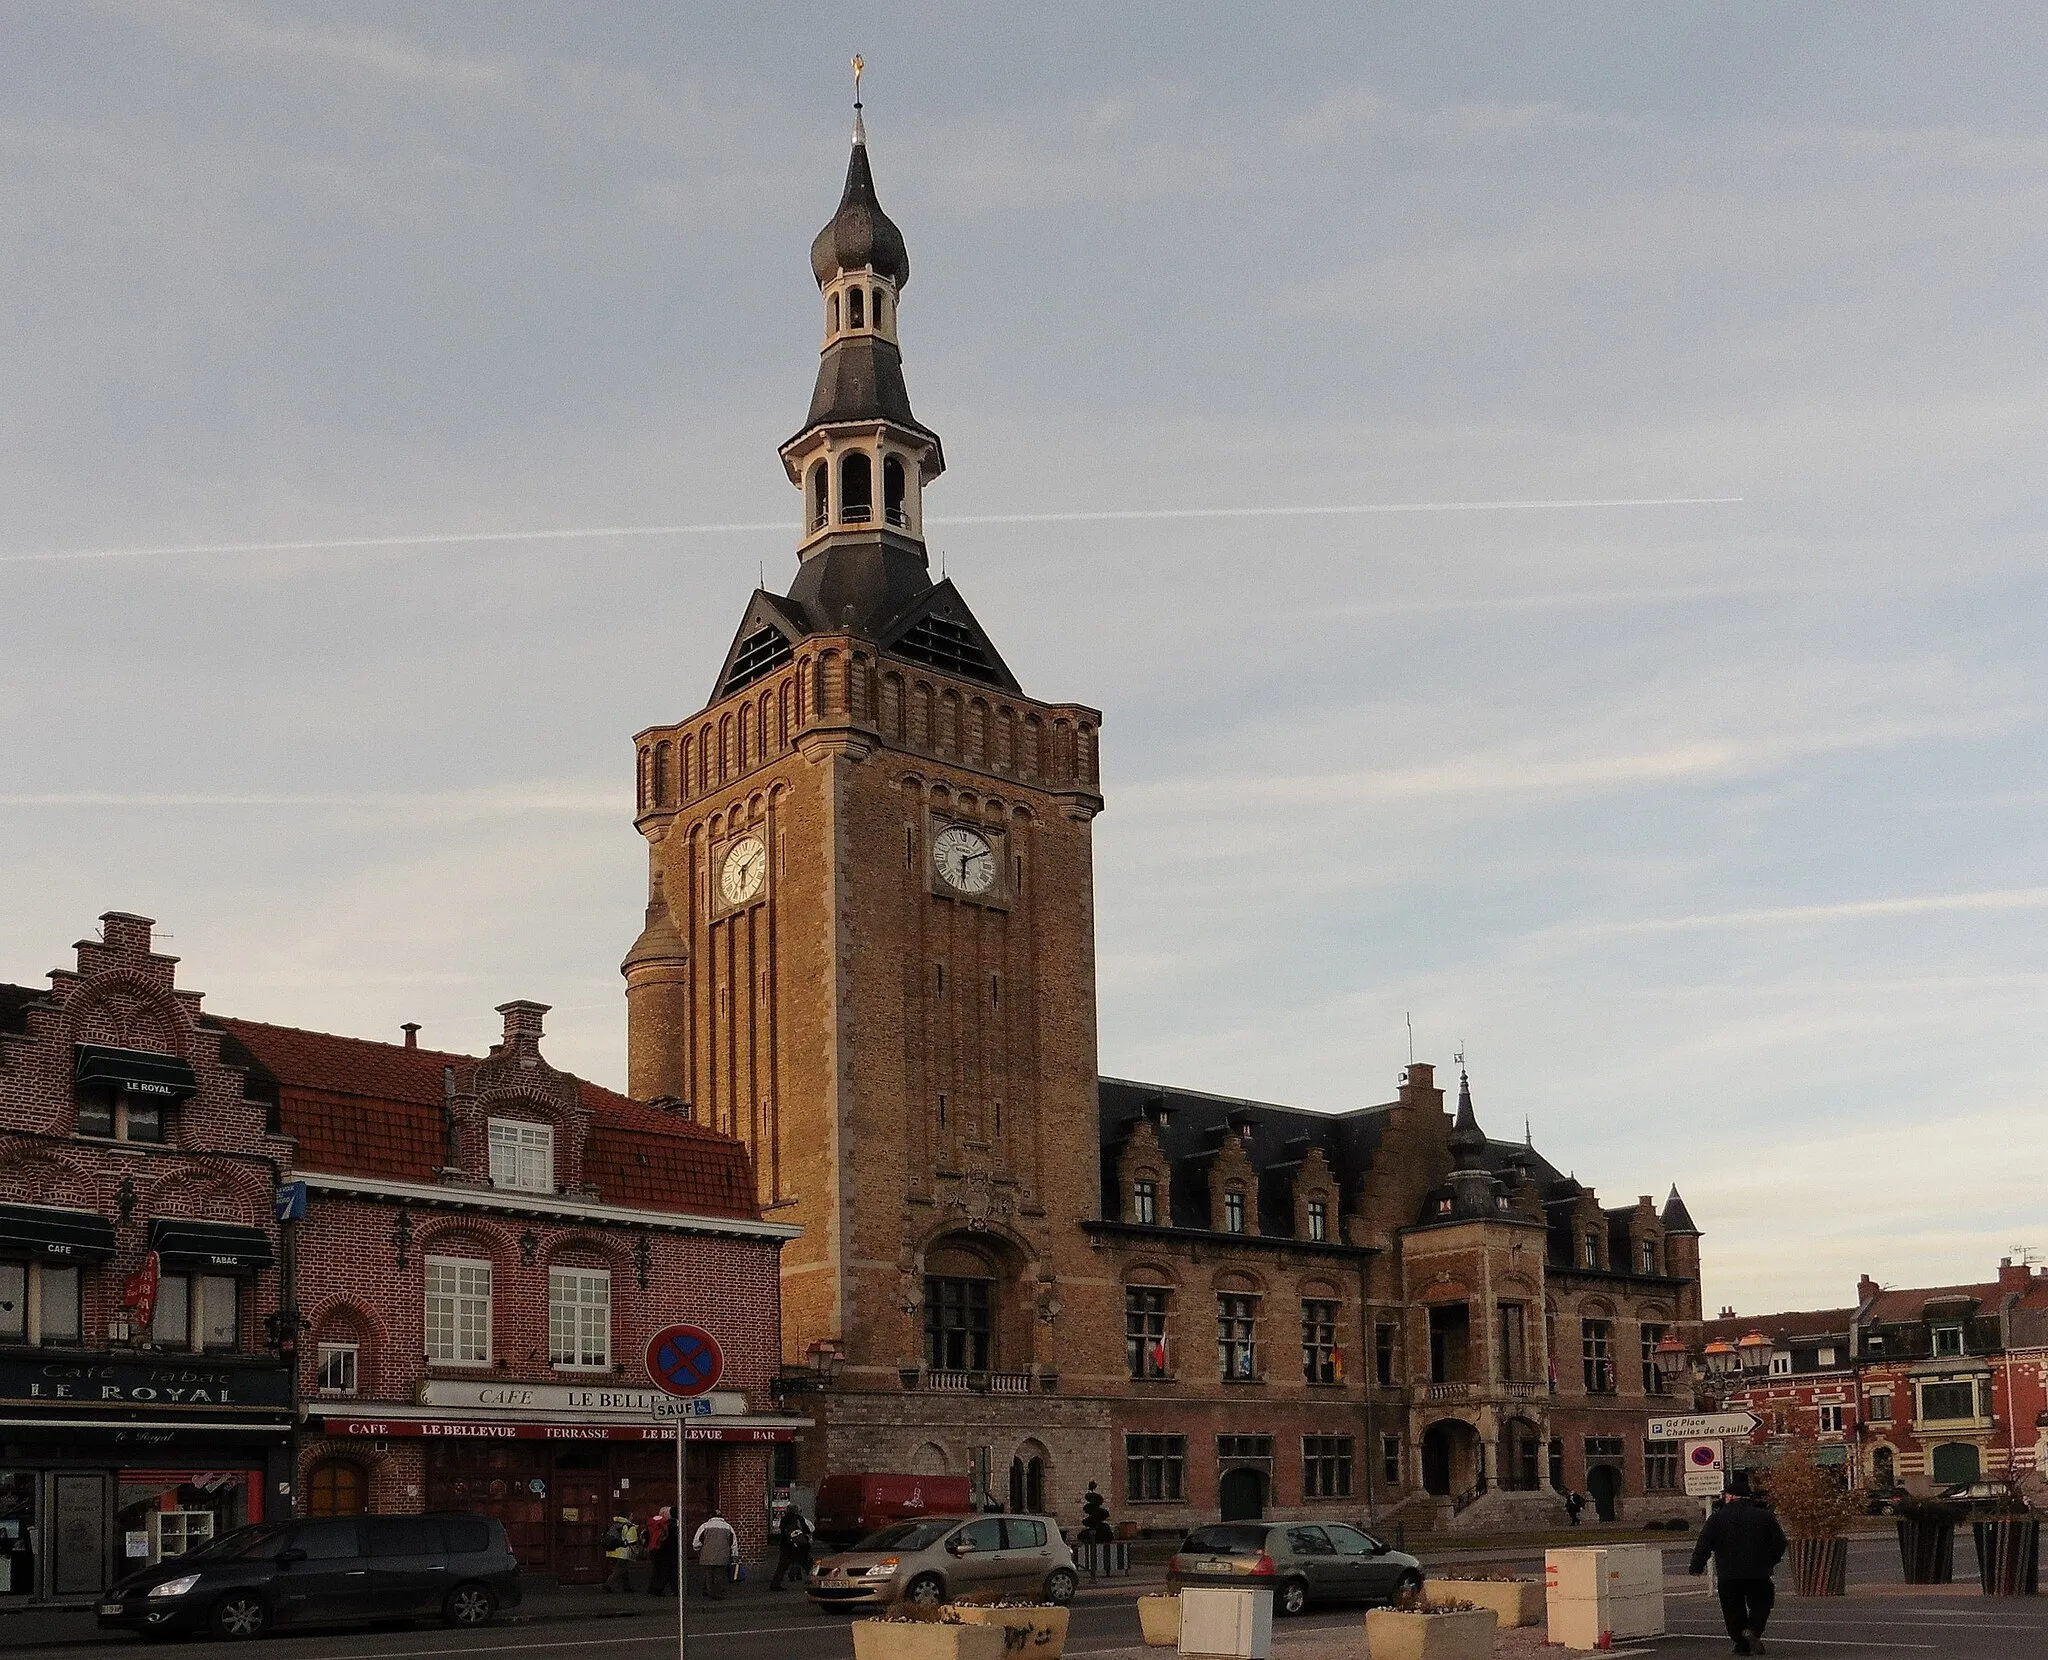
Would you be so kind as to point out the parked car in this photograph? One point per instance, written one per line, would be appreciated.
(1978, 1496)
(1884, 1501)
(1304, 1562)
(325, 1570)
(853, 1504)
(937, 1558)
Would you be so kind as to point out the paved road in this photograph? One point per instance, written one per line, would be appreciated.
(1878, 1621)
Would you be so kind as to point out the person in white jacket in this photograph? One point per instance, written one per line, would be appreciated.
(715, 1546)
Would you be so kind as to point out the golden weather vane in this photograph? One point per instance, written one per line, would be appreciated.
(858, 66)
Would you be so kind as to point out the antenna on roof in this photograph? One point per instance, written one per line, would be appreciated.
(1411, 1035)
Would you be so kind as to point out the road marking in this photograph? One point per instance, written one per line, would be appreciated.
(1805, 1642)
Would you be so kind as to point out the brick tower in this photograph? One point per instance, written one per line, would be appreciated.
(869, 946)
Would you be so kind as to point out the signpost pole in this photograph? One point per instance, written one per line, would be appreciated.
(680, 1516)
(685, 1362)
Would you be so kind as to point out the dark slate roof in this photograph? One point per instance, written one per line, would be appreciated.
(860, 381)
(14, 1002)
(1677, 1219)
(860, 234)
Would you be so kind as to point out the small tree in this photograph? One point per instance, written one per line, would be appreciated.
(1808, 1495)
(1095, 1517)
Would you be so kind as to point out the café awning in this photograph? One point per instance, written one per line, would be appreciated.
(197, 1246)
(56, 1235)
(138, 1071)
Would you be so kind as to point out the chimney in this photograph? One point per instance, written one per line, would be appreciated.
(123, 931)
(522, 1030)
(669, 1103)
(1866, 1288)
(1727, 1311)
(2015, 1278)
(411, 1029)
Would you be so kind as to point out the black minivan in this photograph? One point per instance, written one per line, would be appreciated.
(320, 1571)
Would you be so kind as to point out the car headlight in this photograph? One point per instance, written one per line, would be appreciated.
(174, 1587)
(882, 1570)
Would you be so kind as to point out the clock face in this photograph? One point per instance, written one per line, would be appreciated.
(745, 869)
(964, 859)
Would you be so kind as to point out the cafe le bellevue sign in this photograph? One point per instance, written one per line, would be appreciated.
(602, 1400)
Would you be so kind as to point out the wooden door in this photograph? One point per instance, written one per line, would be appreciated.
(581, 1515)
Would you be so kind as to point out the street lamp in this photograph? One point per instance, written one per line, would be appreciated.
(1720, 1358)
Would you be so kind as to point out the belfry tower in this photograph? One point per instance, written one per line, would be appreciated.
(869, 944)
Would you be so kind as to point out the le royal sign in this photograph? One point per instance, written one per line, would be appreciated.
(90, 1381)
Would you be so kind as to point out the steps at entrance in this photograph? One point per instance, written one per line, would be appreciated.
(1500, 1511)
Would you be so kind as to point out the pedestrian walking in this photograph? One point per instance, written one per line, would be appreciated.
(715, 1548)
(621, 1540)
(1746, 1543)
(792, 1547)
(1573, 1504)
(662, 1552)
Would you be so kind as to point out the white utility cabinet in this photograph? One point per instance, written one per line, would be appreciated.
(1598, 1596)
(1226, 1625)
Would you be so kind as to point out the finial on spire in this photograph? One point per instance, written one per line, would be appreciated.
(860, 134)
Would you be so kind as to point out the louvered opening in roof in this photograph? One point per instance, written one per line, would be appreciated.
(944, 644)
(760, 653)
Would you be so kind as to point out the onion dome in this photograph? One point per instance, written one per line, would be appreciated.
(860, 235)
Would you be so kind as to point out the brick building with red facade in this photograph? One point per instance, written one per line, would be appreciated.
(1917, 1387)
(478, 1249)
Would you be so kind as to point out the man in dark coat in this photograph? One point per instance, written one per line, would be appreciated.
(1746, 1543)
(662, 1546)
(792, 1547)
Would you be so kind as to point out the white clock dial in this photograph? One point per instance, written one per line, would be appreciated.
(964, 860)
(745, 869)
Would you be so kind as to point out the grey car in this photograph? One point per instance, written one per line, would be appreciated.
(937, 1558)
(1303, 1562)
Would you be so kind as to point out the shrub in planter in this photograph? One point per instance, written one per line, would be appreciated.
(2009, 1547)
(1518, 1600)
(1927, 1540)
(1436, 1631)
(1816, 1512)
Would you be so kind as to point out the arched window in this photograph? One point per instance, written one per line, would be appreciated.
(856, 488)
(337, 1488)
(875, 303)
(832, 315)
(661, 774)
(854, 319)
(821, 495)
(881, 309)
(892, 491)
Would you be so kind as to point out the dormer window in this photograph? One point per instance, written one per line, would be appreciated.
(1233, 1211)
(1145, 1201)
(1648, 1254)
(1948, 1340)
(1318, 1219)
(123, 1094)
(1591, 1248)
(522, 1155)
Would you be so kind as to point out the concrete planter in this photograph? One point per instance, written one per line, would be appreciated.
(1160, 1618)
(902, 1640)
(1517, 1603)
(1392, 1634)
(1041, 1632)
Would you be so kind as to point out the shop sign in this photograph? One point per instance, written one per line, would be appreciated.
(596, 1400)
(380, 1429)
(105, 1381)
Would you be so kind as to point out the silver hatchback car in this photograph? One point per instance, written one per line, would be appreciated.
(1303, 1562)
(938, 1558)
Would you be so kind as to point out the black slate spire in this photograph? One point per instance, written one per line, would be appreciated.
(861, 235)
(1676, 1218)
(1468, 1141)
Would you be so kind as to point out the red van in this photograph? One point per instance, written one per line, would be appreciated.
(853, 1504)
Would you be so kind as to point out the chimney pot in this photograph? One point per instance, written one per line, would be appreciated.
(411, 1029)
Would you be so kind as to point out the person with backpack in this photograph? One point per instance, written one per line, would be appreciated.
(621, 1539)
(792, 1547)
(662, 1552)
(717, 1550)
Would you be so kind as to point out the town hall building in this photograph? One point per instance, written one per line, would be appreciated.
(869, 954)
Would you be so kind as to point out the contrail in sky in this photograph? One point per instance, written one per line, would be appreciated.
(619, 532)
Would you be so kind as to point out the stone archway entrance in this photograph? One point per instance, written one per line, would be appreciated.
(1241, 1495)
(1451, 1458)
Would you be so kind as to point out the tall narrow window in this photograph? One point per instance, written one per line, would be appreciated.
(219, 1316)
(881, 309)
(855, 315)
(522, 1155)
(1145, 1201)
(1318, 1219)
(1596, 1344)
(1591, 1251)
(1233, 1211)
(1653, 1380)
(1145, 1330)
(892, 491)
(1649, 1257)
(856, 488)
(821, 495)
(1513, 1335)
(1326, 1466)
(1236, 1336)
(832, 315)
(1383, 1354)
(580, 1317)
(338, 1368)
(458, 1311)
(61, 1316)
(1319, 1359)
(957, 1325)
(1390, 1460)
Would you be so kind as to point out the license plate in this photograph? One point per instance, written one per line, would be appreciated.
(110, 1608)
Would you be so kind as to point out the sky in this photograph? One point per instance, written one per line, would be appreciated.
(1710, 833)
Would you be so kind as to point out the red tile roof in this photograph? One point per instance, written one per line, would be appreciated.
(357, 1107)
(1910, 1303)
(1783, 1329)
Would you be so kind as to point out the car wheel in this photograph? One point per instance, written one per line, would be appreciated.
(1293, 1598)
(469, 1605)
(1059, 1587)
(1407, 1589)
(925, 1591)
(240, 1614)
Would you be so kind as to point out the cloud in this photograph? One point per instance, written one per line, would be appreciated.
(1858, 910)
